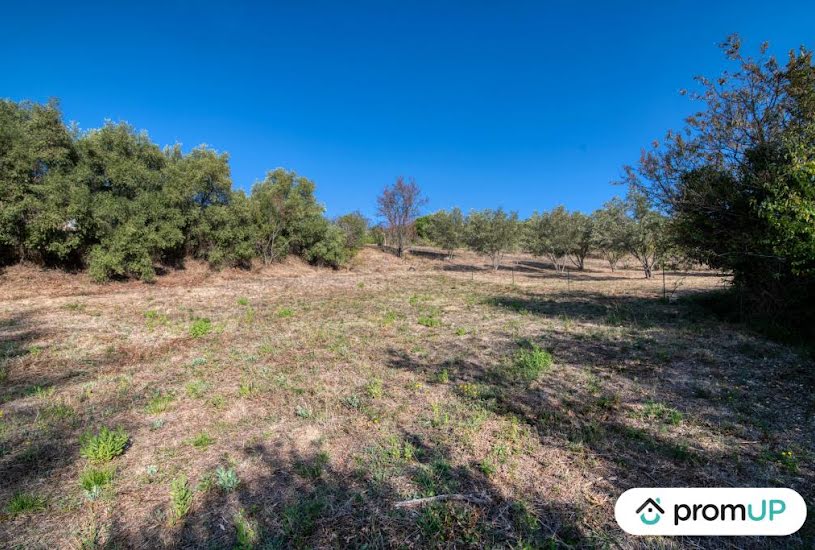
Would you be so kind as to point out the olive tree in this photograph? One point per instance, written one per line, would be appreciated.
(492, 233)
(446, 230)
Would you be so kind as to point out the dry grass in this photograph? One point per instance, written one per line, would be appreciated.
(330, 401)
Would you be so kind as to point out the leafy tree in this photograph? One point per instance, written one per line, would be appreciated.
(581, 235)
(355, 227)
(737, 183)
(287, 215)
(492, 233)
(643, 232)
(551, 235)
(608, 236)
(446, 229)
(400, 204)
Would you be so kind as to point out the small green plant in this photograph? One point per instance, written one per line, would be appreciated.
(197, 388)
(104, 446)
(528, 364)
(352, 401)
(487, 467)
(789, 461)
(246, 532)
(461, 331)
(180, 497)
(243, 301)
(217, 401)
(468, 389)
(443, 376)
(430, 319)
(159, 402)
(246, 388)
(35, 350)
(93, 480)
(153, 319)
(302, 412)
(661, 412)
(374, 388)
(226, 478)
(40, 392)
(202, 441)
(200, 327)
(25, 503)
(285, 312)
(312, 469)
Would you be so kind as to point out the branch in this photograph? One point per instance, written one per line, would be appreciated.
(472, 499)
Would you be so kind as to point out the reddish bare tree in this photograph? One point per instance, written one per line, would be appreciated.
(400, 205)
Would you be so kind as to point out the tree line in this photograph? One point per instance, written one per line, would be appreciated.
(622, 227)
(110, 200)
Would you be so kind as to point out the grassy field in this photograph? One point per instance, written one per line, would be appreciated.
(295, 407)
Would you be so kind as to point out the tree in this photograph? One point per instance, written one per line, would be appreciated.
(643, 232)
(735, 182)
(400, 204)
(286, 214)
(608, 236)
(581, 235)
(355, 227)
(551, 235)
(492, 233)
(446, 229)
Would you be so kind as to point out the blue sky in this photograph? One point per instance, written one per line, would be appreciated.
(524, 105)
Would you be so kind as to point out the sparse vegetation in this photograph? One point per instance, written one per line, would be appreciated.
(180, 498)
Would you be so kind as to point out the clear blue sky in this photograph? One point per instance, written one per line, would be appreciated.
(513, 104)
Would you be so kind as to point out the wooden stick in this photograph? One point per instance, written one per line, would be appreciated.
(472, 499)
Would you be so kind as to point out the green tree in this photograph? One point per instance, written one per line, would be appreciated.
(582, 238)
(643, 232)
(608, 236)
(355, 227)
(445, 229)
(551, 235)
(399, 205)
(492, 233)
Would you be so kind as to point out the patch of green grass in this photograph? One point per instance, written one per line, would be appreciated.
(57, 412)
(352, 402)
(661, 412)
(154, 319)
(461, 331)
(40, 392)
(35, 350)
(93, 480)
(300, 518)
(159, 403)
(430, 319)
(246, 388)
(246, 532)
(243, 301)
(312, 469)
(227, 479)
(197, 388)
(180, 497)
(443, 376)
(303, 412)
(25, 503)
(200, 327)
(202, 441)
(789, 461)
(285, 312)
(450, 525)
(528, 364)
(104, 446)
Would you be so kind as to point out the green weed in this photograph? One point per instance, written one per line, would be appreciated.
(104, 446)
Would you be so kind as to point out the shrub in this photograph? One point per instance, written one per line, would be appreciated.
(104, 446)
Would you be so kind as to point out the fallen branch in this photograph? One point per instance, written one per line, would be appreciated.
(472, 499)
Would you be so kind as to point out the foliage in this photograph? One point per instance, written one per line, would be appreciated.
(104, 446)
(607, 237)
(226, 478)
(200, 327)
(551, 235)
(93, 480)
(180, 497)
(446, 229)
(492, 233)
(111, 200)
(355, 227)
(22, 503)
(528, 364)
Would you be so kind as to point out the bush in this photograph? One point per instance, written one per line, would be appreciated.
(227, 479)
(104, 446)
(93, 480)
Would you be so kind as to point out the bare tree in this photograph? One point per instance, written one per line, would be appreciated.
(400, 205)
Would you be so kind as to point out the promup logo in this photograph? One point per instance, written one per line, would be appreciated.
(710, 511)
(652, 505)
